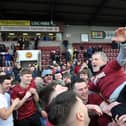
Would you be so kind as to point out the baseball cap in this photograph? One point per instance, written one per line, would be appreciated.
(46, 72)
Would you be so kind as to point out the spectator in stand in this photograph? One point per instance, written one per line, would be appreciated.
(36, 42)
(85, 55)
(114, 45)
(21, 43)
(1, 60)
(84, 75)
(2, 72)
(34, 71)
(26, 92)
(8, 59)
(63, 68)
(77, 68)
(13, 48)
(67, 80)
(55, 68)
(17, 47)
(53, 56)
(2, 48)
(59, 78)
(57, 57)
(68, 55)
(85, 67)
(89, 51)
(16, 71)
(75, 53)
(9, 71)
(99, 48)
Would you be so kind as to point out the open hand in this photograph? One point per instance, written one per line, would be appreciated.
(120, 35)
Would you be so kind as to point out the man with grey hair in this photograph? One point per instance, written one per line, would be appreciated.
(110, 77)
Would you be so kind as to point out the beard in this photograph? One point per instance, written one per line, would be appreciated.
(96, 68)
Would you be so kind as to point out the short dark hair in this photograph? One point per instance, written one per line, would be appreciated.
(84, 71)
(119, 110)
(60, 108)
(25, 71)
(66, 74)
(77, 80)
(46, 92)
(4, 77)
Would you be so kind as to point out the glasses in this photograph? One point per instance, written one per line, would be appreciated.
(48, 75)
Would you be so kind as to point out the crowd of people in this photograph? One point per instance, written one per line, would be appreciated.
(82, 93)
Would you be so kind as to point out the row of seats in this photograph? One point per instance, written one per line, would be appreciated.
(81, 47)
(106, 47)
(45, 54)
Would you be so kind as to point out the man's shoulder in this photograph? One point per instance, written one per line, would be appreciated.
(16, 87)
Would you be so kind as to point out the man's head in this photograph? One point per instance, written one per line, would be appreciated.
(99, 59)
(50, 91)
(67, 109)
(67, 77)
(47, 76)
(58, 76)
(5, 83)
(80, 87)
(39, 83)
(84, 74)
(25, 76)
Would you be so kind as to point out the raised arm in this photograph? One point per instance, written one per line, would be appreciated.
(120, 37)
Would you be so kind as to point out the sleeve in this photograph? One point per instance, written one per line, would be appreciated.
(2, 102)
(39, 108)
(121, 58)
(92, 87)
(95, 99)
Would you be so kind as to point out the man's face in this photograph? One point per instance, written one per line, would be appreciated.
(97, 62)
(6, 85)
(58, 76)
(81, 88)
(26, 79)
(48, 78)
(84, 76)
